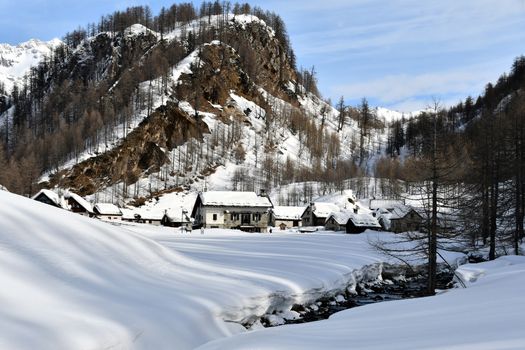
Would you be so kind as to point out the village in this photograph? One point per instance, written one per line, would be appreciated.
(255, 212)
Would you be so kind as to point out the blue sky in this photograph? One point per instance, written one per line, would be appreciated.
(398, 53)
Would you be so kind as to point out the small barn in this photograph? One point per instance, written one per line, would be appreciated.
(142, 216)
(359, 222)
(286, 217)
(405, 218)
(337, 221)
(51, 198)
(78, 204)
(176, 218)
(151, 217)
(317, 213)
(107, 211)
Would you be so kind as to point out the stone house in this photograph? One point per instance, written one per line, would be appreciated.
(351, 221)
(317, 212)
(405, 218)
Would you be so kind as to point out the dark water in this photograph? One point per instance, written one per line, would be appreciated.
(393, 287)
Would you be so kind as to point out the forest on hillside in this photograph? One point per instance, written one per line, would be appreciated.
(75, 98)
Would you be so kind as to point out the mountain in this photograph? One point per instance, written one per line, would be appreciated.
(15, 61)
(209, 102)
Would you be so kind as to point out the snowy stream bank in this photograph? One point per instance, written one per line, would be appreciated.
(391, 282)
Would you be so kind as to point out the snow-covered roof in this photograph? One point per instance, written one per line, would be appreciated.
(323, 210)
(54, 197)
(341, 217)
(177, 215)
(400, 212)
(145, 214)
(81, 201)
(364, 220)
(151, 214)
(384, 203)
(234, 199)
(359, 219)
(107, 209)
(128, 214)
(287, 213)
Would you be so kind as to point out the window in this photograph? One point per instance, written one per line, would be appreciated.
(256, 216)
(235, 216)
(214, 217)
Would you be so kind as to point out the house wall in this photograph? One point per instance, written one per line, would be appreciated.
(208, 214)
(224, 219)
(411, 222)
(332, 225)
(44, 199)
(288, 223)
(318, 221)
(110, 217)
(351, 228)
(306, 218)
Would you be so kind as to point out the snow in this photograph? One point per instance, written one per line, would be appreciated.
(234, 199)
(85, 204)
(138, 29)
(390, 116)
(234, 20)
(53, 196)
(288, 212)
(359, 219)
(107, 209)
(486, 315)
(343, 199)
(323, 210)
(16, 61)
(71, 282)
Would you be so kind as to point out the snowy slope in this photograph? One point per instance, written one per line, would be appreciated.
(70, 282)
(486, 315)
(15, 61)
(389, 116)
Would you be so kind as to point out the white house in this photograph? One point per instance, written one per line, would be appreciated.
(107, 211)
(286, 217)
(245, 211)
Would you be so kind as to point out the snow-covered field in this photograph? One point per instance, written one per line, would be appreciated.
(69, 282)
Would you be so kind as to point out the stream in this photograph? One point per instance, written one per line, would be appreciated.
(396, 284)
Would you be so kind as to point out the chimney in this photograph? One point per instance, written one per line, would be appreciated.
(262, 192)
(356, 210)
